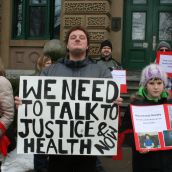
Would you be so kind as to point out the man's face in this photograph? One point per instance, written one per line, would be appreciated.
(106, 51)
(77, 42)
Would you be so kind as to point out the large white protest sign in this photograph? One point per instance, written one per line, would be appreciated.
(72, 116)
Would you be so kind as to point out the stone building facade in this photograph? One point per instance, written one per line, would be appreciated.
(94, 15)
(134, 27)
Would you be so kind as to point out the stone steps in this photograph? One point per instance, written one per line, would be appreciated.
(133, 79)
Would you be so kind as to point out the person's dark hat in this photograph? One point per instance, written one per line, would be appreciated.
(163, 44)
(106, 43)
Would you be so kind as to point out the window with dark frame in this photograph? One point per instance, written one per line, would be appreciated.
(36, 19)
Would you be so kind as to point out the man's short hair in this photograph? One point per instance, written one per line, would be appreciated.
(74, 29)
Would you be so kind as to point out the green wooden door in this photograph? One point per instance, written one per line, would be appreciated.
(146, 23)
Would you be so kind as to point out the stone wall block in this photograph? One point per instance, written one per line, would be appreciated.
(98, 35)
(110, 1)
(73, 20)
(94, 50)
(86, 7)
(24, 58)
(98, 21)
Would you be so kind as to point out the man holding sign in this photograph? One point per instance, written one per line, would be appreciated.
(78, 65)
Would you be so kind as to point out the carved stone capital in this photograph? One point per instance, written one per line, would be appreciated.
(86, 7)
(98, 21)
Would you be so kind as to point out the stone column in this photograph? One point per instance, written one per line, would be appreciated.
(94, 15)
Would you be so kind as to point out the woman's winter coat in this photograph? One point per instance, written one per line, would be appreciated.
(6, 113)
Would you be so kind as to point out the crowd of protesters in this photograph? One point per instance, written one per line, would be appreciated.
(73, 60)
